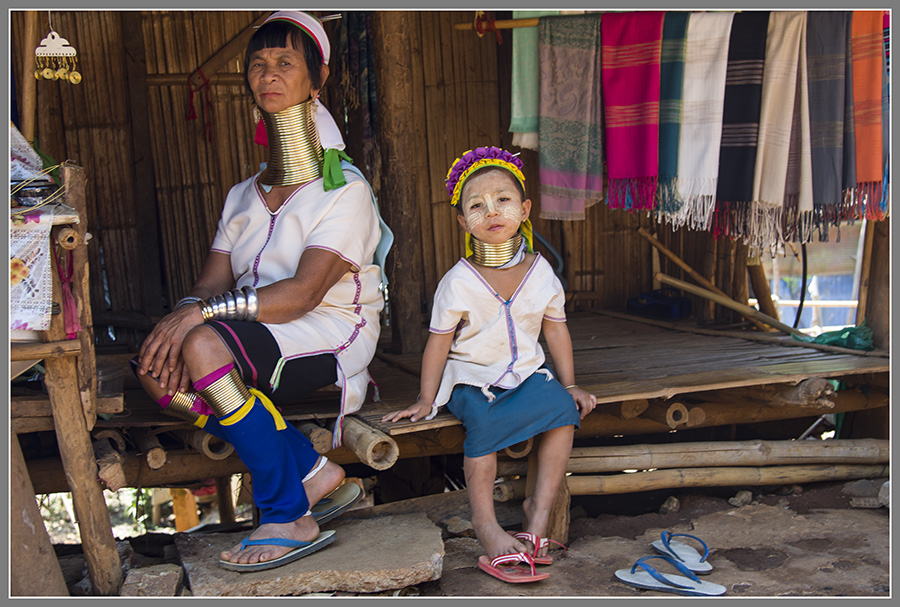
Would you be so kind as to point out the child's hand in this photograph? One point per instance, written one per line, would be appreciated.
(585, 401)
(416, 412)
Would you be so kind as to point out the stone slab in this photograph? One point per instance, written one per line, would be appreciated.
(371, 555)
(156, 580)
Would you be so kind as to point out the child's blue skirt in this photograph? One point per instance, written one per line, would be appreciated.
(515, 415)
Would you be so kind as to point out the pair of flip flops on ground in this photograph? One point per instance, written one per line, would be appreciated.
(684, 558)
(332, 505)
(508, 567)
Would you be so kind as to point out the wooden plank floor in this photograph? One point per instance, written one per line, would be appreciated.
(616, 358)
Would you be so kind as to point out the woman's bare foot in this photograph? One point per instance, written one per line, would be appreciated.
(304, 529)
(323, 482)
(496, 541)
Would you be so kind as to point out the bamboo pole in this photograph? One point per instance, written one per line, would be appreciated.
(321, 438)
(150, 447)
(670, 414)
(699, 278)
(701, 477)
(27, 113)
(757, 274)
(863, 295)
(629, 409)
(519, 450)
(373, 447)
(747, 311)
(503, 24)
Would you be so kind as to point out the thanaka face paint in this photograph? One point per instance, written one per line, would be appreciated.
(493, 208)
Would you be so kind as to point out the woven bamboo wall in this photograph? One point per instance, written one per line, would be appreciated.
(463, 81)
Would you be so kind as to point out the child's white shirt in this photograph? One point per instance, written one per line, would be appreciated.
(496, 342)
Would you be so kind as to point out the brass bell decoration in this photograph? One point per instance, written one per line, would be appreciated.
(56, 60)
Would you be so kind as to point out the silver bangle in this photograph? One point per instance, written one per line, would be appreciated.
(184, 301)
(237, 304)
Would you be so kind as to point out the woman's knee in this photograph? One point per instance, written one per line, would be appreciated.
(202, 344)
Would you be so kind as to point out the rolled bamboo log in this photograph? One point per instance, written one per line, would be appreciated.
(319, 437)
(814, 392)
(519, 450)
(149, 445)
(113, 435)
(207, 444)
(109, 464)
(703, 477)
(672, 414)
(585, 460)
(373, 447)
(747, 311)
(696, 416)
(629, 409)
(66, 237)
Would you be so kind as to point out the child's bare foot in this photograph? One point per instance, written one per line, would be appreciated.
(496, 541)
(536, 523)
(304, 529)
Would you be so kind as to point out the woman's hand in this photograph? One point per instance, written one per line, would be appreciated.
(585, 401)
(418, 411)
(160, 354)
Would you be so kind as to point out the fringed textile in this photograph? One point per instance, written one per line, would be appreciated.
(525, 102)
(867, 52)
(571, 117)
(797, 218)
(827, 35)
(740, 122)
(705, 67)
(886, 117)
(779, 92)
(632, 44)
(671, 78)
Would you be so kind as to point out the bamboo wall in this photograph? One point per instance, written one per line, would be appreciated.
(127, 124)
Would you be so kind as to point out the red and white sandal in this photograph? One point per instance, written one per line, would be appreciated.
(538, 543)
(506, 568)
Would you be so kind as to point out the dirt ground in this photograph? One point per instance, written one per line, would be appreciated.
(786, 542)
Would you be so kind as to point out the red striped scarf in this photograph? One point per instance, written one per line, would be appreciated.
(866, 48)
(631, 44)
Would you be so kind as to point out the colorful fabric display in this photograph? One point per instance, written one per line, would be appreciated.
(740, 121)
(785, 34)
(827, 35)
(867, 52)
(570, 130)
(631, 49)
(671, 79)
(703, 99)
(525, 95)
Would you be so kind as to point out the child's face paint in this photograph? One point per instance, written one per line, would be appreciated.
(493, 207)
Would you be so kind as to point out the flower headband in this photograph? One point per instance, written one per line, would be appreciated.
(463, 167)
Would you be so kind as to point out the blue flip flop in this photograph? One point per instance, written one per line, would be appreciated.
(337, 502)
(651, 579)
(300, 549)
(684, 553)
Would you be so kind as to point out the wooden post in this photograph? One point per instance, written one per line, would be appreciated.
(757, 274)
(74, 179)
(400, 140)
(184, 506)
(225, 499)
(34, 569)
(28, 111)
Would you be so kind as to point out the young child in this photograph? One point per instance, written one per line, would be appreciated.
(483, 359)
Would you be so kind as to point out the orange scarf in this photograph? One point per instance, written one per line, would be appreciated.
(867, 55)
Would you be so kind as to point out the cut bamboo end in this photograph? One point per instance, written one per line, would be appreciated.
(207, 444)
(630, 409)
(321, 438)
(519, 450)
(672, 415)
(149, 445)
(373, 447)
(67, 238)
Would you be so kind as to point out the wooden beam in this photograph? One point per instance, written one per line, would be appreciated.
(222, 79)
(39, 350)
(39, 406)
(400, 142)
(28, 110)
(226, 54)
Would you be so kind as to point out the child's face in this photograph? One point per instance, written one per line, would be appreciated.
(492, 206)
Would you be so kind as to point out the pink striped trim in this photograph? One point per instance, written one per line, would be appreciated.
(223, 251)
(440, 331)
(244, 355)
(554, 319)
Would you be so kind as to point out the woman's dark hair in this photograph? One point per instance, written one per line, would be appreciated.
(275, 34)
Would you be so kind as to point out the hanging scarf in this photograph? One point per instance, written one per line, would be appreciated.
(525, 100)
(886, 116)
(826, 50)
(671, 78)
(740, 121)
(570, 130)
(779, 91)
(797, 218)
(850, 210)
(705, 67)
(867, 55)
(631, 48)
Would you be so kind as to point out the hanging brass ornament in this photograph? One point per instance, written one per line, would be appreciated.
(56, 60)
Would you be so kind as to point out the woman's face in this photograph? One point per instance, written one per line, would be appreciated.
(279, 79)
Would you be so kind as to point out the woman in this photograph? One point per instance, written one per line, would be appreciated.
(287, 302)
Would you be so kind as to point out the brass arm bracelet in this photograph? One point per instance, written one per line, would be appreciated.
(570, 386)
(237, 304)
